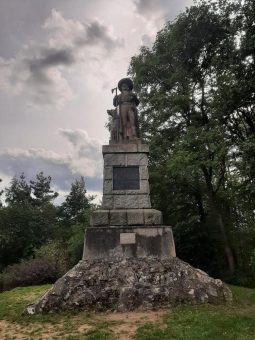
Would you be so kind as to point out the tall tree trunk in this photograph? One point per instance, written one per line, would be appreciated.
(215, 209)
(225, 241)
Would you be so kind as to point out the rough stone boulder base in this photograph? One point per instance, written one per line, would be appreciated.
(128, 284)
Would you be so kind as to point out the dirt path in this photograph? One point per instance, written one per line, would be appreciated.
(121, 325)
(130, 321)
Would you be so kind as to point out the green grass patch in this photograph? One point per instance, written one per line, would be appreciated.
(12, 302)
(235, 321)
(243, 296)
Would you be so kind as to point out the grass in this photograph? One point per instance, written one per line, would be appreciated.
(236, 321)
(206, 321)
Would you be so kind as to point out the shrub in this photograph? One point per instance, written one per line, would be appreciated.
(75, 244)
(49, 264)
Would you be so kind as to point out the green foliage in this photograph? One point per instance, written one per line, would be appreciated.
(31, 272)
(19, 191)
(196, 87)
(23, 228)
(50, 263)
(32, 226)
(75, 243)
(41, 189)
(74, 209)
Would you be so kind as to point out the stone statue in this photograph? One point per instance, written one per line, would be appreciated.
(114, 125)
(127, 102)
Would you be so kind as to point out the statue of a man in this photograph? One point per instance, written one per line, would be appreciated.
(127, 102)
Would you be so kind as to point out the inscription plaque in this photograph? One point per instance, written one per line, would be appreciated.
(126, 178)
(127, 238)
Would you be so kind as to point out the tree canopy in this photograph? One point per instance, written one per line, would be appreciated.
(29, 219)
(197, 89)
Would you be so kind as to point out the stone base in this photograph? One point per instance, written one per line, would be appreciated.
(135, 241)
(128, 284)
(126, 217)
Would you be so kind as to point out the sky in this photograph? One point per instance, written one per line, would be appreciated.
(59, 60)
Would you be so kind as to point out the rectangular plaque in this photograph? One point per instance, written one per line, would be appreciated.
(126, 178)
(127, 238)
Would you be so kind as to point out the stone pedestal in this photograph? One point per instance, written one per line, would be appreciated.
(126, 226)
(133, 192)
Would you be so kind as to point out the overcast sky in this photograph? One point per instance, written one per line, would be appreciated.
(58, 61)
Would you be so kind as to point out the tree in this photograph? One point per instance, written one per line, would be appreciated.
(182, 83)
(19, 191)
(76, 205)
(74, 216)
(29, 219)
(41, 189)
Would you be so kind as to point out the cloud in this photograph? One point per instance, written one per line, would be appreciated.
(38, 72)
(66, 32)
(84, 160)
(97, 33)
(50, 58)
(160, 9)
(146, 6)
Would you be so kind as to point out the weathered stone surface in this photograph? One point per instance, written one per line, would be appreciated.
(119, 148)
(108, 172)
(103, 242)
(131, 201)
(107, 188)
(135, 217)
(152, 217)
(144, 201)
(118, 217)
(107, 202)
(115, 159)
(131, 284)
(127, 238)
(99, 218)
(144, 174)
(137, 159)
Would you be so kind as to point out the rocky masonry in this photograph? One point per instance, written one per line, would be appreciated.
(129, 284)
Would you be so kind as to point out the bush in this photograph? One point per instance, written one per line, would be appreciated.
(49, 264)
(75, 244)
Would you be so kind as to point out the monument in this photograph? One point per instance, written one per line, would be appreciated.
(129, 260)
(126, 226)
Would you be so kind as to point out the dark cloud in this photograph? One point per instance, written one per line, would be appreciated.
(98, 34)
(37, 71)
(144, 6)
(48, 58)
(51, 57)
(165, 9)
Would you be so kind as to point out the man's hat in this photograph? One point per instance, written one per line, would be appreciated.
(126, 81)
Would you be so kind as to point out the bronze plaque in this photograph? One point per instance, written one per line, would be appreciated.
(126, 178)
